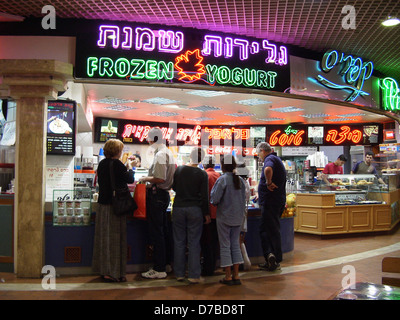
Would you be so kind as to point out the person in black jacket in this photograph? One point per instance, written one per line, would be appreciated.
(110, 242)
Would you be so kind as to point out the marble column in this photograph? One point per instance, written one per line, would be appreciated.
(31, 83)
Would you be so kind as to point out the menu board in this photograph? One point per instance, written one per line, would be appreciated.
(61, 122)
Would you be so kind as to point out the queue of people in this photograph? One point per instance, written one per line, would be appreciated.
(209, 213)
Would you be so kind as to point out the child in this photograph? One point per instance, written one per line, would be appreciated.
(228, 194)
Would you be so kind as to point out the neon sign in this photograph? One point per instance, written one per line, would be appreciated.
(390, 94)
(141, 132)
(345, 134)
(287, 138)
(353, 70)
(131, 52)
(194, 58)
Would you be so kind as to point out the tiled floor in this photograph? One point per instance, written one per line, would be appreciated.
(313, 271)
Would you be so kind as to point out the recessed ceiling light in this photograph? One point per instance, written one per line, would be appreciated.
(163, 114)
(119, 108)
(339, 120)
(351, 115)
(271, 119)
(391, 21)
(207, 93)
(160, 101)
(240, 114)
(233, 123)
(253, 102)
(204, 108)
(315, 115)
(112, 100)
(200, 119)
(287, 109)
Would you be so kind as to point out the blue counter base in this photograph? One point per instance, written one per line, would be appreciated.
(80, 238)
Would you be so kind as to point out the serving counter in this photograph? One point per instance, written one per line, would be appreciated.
(69, 248)
(353, 204)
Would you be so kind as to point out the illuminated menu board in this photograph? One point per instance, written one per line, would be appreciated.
(61, 127)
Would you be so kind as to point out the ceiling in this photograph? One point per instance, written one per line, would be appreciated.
(192, 106)
(316, 25)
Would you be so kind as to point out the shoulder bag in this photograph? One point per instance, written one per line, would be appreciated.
(122, 201)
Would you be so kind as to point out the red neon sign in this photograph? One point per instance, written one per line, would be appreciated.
(286, 138)
(345, 134)
(184, 134)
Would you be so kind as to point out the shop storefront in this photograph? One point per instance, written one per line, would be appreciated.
(223, 92)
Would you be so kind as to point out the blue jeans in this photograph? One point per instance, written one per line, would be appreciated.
(229, 244)
(187, 226)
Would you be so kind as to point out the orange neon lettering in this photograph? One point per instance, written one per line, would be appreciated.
(273, 140)
(297, 138)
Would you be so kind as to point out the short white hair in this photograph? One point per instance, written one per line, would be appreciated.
(263, 146)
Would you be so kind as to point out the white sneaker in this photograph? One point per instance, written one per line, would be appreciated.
(153, 274)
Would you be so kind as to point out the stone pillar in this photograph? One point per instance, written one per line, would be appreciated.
(31, 83)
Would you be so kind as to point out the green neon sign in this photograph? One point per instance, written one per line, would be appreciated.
(137, 69)
(390, 94)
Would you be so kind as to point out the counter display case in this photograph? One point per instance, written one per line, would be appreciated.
(346, 204)
(72, 207)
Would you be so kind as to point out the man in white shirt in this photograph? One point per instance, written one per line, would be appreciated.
(158, 182)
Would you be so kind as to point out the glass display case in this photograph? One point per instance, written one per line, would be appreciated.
(72, 207)
(387, 164)
(353, 189)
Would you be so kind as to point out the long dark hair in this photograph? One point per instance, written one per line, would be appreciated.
(228, 164)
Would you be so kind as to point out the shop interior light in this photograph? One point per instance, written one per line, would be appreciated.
(112, 100)
(205, 108)
(271, 119)
(315, 115)
(240, 114)
(253, 102)
(287, 109)
(161, 101)
(340, 119)
(120, 108)
(391, 21)
(200, 119)
(351, 115)
(207, 93)
(233, 123)
(163, 114)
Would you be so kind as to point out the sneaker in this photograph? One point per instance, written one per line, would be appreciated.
(153, 274)
(194, 280)
(180, 279)
(273, 265)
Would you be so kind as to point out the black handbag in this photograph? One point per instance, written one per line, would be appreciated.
(122, 200)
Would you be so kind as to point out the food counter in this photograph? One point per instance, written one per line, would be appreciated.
(347, 204)
(69, 246)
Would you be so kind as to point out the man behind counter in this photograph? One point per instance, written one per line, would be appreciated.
(366, 167)
(334, 168)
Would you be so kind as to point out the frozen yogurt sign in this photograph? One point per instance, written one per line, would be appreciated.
(354, 72)
(145, 53)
